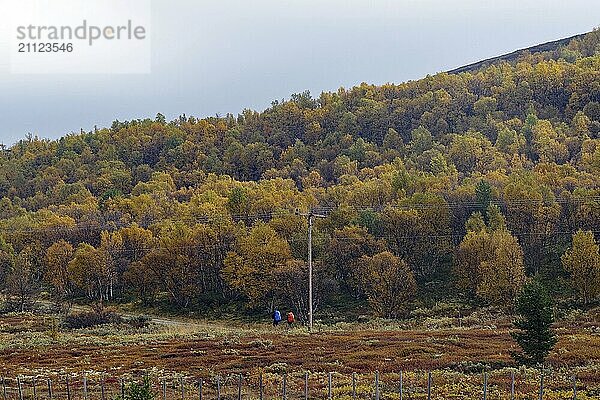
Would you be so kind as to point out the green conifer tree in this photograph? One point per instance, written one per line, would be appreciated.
(534, 332)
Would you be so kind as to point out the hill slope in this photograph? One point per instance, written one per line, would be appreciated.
(548, 47)
(198, 213)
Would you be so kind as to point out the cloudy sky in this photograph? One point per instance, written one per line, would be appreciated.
(226, 55)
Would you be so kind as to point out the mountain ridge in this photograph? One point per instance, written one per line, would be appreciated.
(514, 55)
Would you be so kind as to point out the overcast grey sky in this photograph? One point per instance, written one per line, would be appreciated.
(223, 55)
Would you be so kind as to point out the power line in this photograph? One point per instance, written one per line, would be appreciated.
(320, 240)
(269, 215)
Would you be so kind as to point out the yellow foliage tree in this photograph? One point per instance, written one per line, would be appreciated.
(58, 257)
(251, 267)
(502, 275)
(388, 282)
(489, 264)
(582, 261)
(89, 271)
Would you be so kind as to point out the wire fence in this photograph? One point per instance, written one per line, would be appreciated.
(514, 385)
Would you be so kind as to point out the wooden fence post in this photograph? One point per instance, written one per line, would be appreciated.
(260, 387)
(429, 385)
(3, 388)
(102, 393)
(34, 388)
(485, 383)
(164, 389)
(182, 382)
(240, 387)
(200, 390)
(218, 388)
(329, 394)
(85, 391)
(376, 385)
(19, 387)
(574, 388)
(122, 389)
(68, 388)
(306, 386)
(512, 385)
(50, 388)
(541, 386)
(401, 386)
(354, 386)
(284, 386)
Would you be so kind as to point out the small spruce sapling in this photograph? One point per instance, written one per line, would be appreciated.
(534, 332)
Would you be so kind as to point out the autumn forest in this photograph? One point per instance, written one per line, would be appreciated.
(459, 186)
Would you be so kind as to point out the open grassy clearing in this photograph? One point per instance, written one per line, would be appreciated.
(456, 350)
(28, 343)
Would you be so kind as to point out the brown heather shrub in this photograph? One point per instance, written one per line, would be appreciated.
(90, 319)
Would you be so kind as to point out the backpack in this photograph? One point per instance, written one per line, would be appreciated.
(290, 317)
(277, 316)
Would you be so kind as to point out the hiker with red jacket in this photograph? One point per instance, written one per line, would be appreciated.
(290, 319)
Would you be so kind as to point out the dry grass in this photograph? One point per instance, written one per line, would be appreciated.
(197, 348)
(206, 350)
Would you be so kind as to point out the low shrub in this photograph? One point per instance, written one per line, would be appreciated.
(90, 319)
(262, 344)
(138, 391)
(277, 368)
(138, 321)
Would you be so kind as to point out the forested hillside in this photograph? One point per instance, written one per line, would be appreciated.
(452, 186)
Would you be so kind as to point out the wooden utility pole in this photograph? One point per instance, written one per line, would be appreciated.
(310, 215)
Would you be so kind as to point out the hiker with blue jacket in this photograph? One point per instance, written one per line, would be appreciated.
(276, 317)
